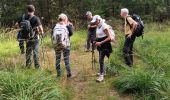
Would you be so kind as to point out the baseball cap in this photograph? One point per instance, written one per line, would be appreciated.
(96, 17)
(88, 13)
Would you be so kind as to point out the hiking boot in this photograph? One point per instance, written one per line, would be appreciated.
(58, 75)
(69, 76)
(100, 78)
(22, 52)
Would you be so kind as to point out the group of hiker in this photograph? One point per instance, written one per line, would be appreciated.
(100, 35)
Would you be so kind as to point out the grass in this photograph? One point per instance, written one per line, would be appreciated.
(21, 84)
(148, 80)
(8, 47)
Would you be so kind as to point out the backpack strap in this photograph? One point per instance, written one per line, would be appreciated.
(128, 21)
(30, 18)
(23, 17)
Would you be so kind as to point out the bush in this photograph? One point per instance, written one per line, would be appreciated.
(28, 85)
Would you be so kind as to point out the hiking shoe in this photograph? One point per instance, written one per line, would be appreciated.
(100, 78)
(88, 51)
(58, 75)
(69, 76)
(98, 74)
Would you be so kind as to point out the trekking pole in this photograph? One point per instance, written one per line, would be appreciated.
(93, 56)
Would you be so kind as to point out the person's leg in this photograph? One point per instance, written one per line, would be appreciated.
(131, 48)
(101, 61)
(29, 49)
(58, 59)
(36, 53)
(21, 46)
(21, 42)
(88, 41)
(126, 51)
(66, 54)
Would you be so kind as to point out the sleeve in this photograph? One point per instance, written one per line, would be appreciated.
(38, 22)
(70, 29)
(130, 20)
(105, 26)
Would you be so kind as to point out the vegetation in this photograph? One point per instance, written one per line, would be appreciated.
(149, 79)
(21, 84)
(48, 10)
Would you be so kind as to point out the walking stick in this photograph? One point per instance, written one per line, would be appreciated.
(93, 56)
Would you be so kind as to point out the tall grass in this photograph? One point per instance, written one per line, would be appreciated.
(8, 44)
(149, 78)
(21, 84)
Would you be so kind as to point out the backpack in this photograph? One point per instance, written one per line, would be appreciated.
(111, 33)
(139, 31)
(60, 37)
(26, 28)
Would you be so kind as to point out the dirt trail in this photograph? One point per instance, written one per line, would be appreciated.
(83, 85)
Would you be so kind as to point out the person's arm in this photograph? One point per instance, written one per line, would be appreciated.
(70, 28)
(106, 31)
(133, 25)
(40, 27)
(93, 26)
(18, 22)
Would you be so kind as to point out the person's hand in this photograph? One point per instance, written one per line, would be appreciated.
(129, 36)
(98, 43)
(88, 26)
(42, 35)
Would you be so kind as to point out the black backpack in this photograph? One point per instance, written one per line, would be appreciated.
(139, 31)
(26, 28)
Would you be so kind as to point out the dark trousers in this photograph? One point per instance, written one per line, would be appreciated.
(102, 55)
(21, 46)
(128, 50)
(66, 54)
(90, 38)
(32, 46)
(21, 42)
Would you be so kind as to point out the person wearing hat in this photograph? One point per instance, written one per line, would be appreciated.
(103, 43)
(91, 30)
(32, 44)
(62, 27)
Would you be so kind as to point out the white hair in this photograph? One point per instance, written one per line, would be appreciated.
(88, 13)
(125, 10)
(62, 16)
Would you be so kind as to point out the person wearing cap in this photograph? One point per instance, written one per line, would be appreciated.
(91, 30)
(63, 24)
(32, 45)
(129, 29)
(103, 43)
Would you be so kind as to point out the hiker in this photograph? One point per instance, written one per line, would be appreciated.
(102, 42)
(60, 36)
(129, 28)
(31, 27)
(91, 31)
